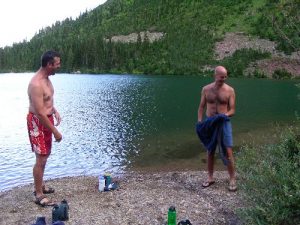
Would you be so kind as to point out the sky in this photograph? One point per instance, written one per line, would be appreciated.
(22, 19)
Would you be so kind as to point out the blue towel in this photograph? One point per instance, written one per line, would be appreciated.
(58, 223)
(42, 221)
(210, 133)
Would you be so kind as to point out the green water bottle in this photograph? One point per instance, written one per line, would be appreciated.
(107, 177)
(172, 216)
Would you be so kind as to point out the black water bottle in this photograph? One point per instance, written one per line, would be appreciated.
(60, 212)
(184, 222)
(55, 213)
(65, 210)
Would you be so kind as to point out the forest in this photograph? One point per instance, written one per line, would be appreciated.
(190, 27)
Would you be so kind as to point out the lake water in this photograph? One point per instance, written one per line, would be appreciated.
(119, 122)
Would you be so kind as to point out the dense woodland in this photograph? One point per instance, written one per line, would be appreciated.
(191, 29)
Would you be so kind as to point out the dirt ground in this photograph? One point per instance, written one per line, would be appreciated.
(142, 198)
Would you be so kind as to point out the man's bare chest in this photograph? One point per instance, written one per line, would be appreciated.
(220, 97)
(48, 91)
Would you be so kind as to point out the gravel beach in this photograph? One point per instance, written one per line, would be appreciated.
(142, 198)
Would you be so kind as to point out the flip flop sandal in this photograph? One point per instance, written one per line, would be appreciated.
(46, 191)
(232, 187)
(49, 190)
(206, 184)
(39, 201)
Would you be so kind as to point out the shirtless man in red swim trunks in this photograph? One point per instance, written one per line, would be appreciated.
(40, 121)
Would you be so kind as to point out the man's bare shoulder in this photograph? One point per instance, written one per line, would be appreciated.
(37, 80)
(229, 88)
(208, 87)
(36, 83)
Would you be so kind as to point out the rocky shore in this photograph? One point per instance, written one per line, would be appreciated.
(142, 198)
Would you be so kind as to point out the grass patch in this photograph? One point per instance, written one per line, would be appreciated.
(270, 180)
(281, 74)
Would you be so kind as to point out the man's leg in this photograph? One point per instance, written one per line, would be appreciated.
(210, 166)
(227, 132)
(231, 170)
(210, 169)
(38, 173)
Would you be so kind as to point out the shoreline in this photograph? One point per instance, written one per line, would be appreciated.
(142, 198)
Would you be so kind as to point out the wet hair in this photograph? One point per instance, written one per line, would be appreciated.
(48, 57)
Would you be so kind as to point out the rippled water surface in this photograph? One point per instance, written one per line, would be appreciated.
(115, 122)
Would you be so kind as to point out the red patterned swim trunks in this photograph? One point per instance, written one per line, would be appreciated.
(40, 137)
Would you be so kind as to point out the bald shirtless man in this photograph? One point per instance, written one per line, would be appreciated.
(40, 121)
(219, 99)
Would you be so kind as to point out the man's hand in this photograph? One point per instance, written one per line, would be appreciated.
(57, 136)
(57, 118)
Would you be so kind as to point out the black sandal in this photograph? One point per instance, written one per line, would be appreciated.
(49, 190)
(39, 201)
(46, 191)
(206, 184)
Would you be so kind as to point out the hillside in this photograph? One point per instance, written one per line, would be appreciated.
(170, 37)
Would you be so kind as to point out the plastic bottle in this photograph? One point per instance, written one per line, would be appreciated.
(60, 212)
(55, 213)
(65, 209)
(107, 177)
(101, 185)
(172, 216)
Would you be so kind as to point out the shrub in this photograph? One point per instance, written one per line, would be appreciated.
(270, 180)
(281, 74)
(241, 59)
(259, 74)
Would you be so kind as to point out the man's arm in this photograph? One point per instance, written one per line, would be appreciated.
(36, 96)
(231, 111)
(201, 105)
(57, 116)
